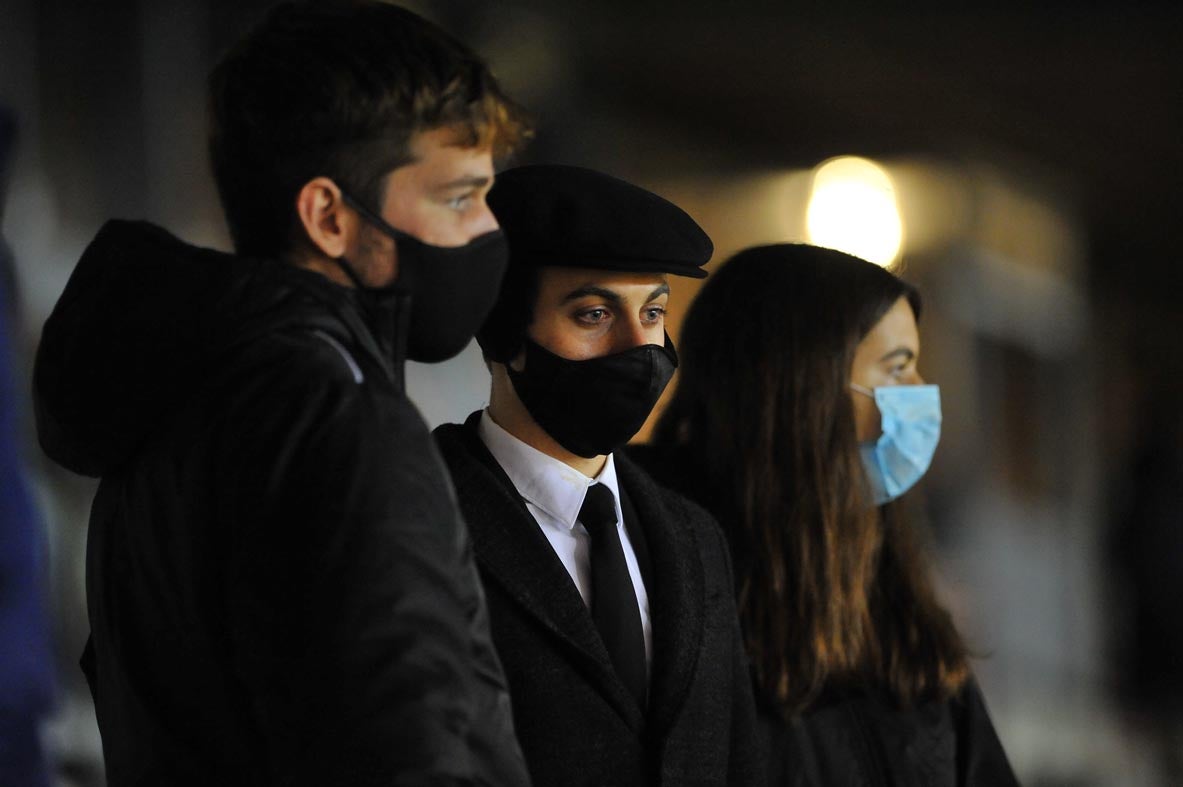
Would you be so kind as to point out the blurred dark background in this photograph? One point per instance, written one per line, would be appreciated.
(1034, 158)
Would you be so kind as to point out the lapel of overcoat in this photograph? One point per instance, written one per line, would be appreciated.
(512, 551)
(677, 597)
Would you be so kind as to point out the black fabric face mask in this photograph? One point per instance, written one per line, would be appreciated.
(452, 290)
(593, 407)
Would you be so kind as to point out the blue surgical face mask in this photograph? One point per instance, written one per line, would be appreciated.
(911, 423)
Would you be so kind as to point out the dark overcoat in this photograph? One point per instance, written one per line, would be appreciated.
(576, 721)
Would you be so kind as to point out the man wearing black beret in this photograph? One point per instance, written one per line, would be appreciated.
(610, 598)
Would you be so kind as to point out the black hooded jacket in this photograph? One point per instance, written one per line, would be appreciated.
(280, 586)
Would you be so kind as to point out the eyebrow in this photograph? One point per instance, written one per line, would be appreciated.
(903, 352)
(591, 289)
(662, 289)
(472, 181)
(611, 296)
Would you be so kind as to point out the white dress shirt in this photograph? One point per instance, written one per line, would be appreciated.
(553, 493)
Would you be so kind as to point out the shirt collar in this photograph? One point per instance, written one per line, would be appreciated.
(540, 479)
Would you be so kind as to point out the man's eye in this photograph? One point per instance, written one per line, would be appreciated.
(593, 316)
(654, 313)
(460, 203)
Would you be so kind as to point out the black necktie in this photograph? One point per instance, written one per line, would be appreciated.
(614, 602)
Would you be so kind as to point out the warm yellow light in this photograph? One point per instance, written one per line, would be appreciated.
(852, 208)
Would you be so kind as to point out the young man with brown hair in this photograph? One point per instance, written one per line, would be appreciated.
(280, 586)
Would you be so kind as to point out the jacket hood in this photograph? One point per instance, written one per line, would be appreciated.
(143, 319)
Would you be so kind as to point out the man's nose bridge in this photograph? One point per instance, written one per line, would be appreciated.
(490, 217)
(630, 333)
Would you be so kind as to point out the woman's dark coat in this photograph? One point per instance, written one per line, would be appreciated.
(280, 587)
(859, 738)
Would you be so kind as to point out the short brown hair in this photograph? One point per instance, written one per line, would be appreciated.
(339, 89)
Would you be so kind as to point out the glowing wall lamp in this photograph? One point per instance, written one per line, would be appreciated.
(853, 208)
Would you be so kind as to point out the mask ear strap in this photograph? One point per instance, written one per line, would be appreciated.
(350, 272)
(375, 220)
(372, 217)
(863, 390)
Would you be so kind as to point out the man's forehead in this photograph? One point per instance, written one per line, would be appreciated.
(452, 137)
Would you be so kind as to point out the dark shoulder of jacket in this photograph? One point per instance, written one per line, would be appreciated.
(304, 352)
(685, 510)
(455, 440)
(663, 465)
(289, 416)
(304, 374)
(672, 497)
(674, 468)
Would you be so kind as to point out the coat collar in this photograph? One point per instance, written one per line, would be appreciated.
(515, 555)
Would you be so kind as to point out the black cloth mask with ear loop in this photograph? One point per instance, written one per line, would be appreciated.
(592, 407)
(451, 289)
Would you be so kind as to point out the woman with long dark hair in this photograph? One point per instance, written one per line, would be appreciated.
(799, 420)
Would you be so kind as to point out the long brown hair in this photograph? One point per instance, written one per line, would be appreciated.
(832, 592)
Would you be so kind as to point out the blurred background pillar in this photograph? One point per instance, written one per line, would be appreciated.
(26, 663)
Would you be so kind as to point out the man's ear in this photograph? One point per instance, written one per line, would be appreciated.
(329, 226)
(518, 361)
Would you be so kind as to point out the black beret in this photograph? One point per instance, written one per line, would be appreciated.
(571, 217)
